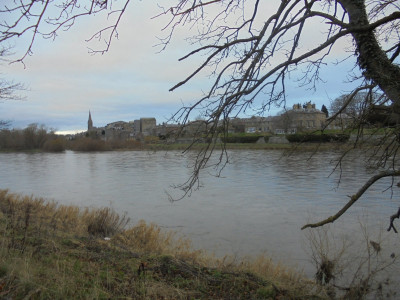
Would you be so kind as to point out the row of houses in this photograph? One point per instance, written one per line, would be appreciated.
(298, 119)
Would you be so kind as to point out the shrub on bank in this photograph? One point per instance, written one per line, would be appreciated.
(341, 137)
(96, 144)
(125, 144)
(317, 138)
(243, 139)
(151, 139)
(55, 145)
(88, 144)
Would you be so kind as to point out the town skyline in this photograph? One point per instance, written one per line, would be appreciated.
(84, 128)
(299, 118)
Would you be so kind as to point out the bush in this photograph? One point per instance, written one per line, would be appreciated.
(241, 138)
(340, 137)
(151, 139)
(308, 138)
(317, 138)
(89, 144)
(125, 144)
(56, 145)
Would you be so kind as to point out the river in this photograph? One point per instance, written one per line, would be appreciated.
(257, 205)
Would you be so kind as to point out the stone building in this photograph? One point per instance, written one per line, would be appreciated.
(147, 126)
(136, 126)
(167, 130)
(195, 128)
(301, 118)
(252, 125)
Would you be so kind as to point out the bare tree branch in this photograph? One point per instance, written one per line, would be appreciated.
(395, 216)
(8, 89)
(354, 198)
(47, 18)
(253, 69)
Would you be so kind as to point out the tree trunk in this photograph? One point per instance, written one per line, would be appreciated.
(372, 60)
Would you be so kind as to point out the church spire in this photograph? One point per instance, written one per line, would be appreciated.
(90, 122)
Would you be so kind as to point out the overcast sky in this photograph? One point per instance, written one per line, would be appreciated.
(131, 81)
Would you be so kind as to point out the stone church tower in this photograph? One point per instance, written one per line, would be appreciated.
(90, 122)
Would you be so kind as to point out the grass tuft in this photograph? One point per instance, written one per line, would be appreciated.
(104, 222)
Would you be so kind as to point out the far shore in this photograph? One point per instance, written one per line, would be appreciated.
(215, 147)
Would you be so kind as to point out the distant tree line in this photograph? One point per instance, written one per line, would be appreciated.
(33, 137)
(40, 138)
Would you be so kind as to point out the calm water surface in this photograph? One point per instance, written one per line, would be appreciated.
(257, 206)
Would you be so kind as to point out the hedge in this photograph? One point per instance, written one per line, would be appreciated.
(317, 138)
(243, 138)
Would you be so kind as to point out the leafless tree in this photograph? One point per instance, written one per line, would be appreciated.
(8, 89)
(251, 49)
(357, 105)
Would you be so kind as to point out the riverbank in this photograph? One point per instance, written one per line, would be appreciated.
(199, 146)
(51, 251)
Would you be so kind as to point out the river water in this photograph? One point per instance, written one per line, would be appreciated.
(257, 206)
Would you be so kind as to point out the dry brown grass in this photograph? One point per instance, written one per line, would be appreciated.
(150, 238)
(28, 212)
(53, 251)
